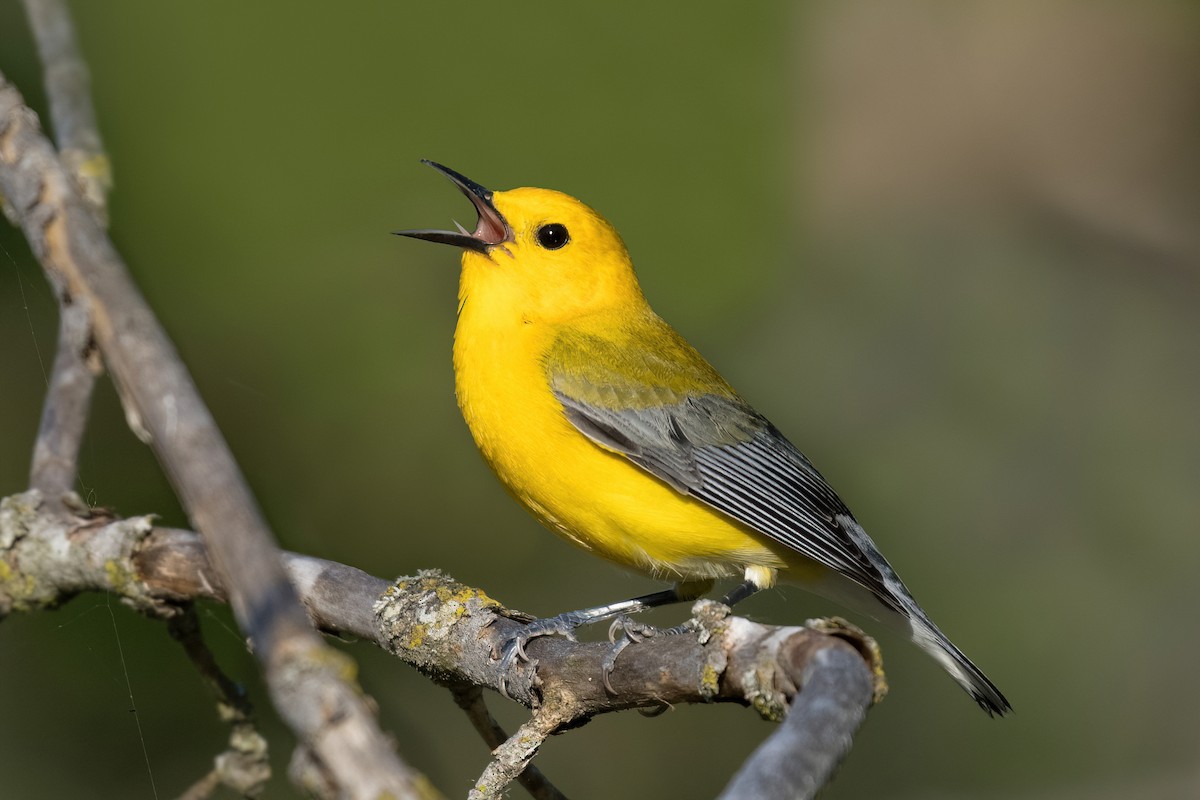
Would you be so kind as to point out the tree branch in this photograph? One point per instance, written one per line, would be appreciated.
(470, 699)
(511, 759)
(307, 680)
(76, 363)
(243, 766)
(801, 757)
(450, 632)
(68, 86)
(68, 398)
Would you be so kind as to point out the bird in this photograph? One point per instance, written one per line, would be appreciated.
(614, 432)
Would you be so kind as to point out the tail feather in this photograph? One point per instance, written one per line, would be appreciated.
(892, 592)
(927, 636)
(901, 612)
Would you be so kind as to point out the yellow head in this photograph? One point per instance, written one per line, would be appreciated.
(537, 254)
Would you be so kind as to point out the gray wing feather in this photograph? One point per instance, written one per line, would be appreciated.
(663, 439)
(720, 451)
(673, 464)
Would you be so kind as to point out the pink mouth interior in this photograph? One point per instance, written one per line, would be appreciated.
(491, 227)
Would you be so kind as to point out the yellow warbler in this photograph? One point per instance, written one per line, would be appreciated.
(616, 434)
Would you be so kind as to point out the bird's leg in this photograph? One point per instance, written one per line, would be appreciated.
(633, 632)
(566, 624)
(637, 631)
(740, 592)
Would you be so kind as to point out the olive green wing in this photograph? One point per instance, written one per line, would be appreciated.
(667, 410)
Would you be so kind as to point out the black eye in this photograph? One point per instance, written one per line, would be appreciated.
(553, 236)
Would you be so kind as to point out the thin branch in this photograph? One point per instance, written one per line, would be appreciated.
(470, 699)
(68, 397)
(243, 766)
(513, 756)
(801, 757)
(308, 681)
(203, 788)
(172, 565)
(76, 364)
(68, 86)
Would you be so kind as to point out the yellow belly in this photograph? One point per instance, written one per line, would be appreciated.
(593, 497)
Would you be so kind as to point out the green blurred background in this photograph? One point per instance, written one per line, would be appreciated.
(950, 249)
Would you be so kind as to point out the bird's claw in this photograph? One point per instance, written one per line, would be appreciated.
(630, 629)
(513, 649)
(632, 632)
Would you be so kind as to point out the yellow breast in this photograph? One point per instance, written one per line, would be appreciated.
(593, 497)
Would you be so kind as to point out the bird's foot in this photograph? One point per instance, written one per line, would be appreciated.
(632, 632)
(513, 649)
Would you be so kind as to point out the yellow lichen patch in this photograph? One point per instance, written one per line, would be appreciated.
(20, 588)
(99, 167)
(465, 595)
(768, 706)
(710, 681)
(431, 581)
(417, 636)
(345, 667)
(119, 579)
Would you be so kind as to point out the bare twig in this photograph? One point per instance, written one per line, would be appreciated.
(800, 758)
(470, 699)
(172, 565)
(308, 681)
(243, 766)
(76, 365)
(68, 396)
(68, 86)
(203, 788)
(513, 756)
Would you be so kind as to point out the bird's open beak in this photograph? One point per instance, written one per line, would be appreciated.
(489, 232)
